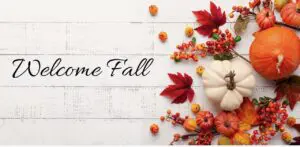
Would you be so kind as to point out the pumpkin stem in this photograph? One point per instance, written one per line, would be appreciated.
(298, 6)
(231, 83)
(267, 15)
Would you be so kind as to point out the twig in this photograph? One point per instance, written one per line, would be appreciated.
(236, 53)
(286, 25)
(189, 135)
(279, 23)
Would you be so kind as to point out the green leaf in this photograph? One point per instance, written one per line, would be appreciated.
(237, 38)
(215, 36)
(241, 24)
(285, 102)
(194, 40)
(255, 101)
(223, 56)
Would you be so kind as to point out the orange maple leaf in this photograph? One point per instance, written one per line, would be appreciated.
(247, 115)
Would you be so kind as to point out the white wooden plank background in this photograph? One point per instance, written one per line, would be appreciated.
(101, 110)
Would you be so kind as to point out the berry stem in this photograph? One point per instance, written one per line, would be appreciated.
(189, 135)
(286, 25)
(236, 53)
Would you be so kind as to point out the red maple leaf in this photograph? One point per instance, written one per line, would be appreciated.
(289, 87)
(210, 21)
(181, 90)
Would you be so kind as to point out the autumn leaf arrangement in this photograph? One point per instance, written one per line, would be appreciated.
(255, 121)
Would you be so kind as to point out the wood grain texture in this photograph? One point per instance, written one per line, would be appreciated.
(99, 110)
(91, 131)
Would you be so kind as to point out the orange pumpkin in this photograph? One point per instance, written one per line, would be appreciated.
(290, 14)
(205, 119)
(265, 18)
(227, 123)
(275, 52)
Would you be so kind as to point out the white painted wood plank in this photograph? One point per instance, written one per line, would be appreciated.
(157, 76)
(103, 11)
(96, 103)
(92, 132)
(12, 38)
(103, 38)
(45, 38)
(110, 38)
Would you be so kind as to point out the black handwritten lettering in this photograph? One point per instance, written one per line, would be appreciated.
(118, 66)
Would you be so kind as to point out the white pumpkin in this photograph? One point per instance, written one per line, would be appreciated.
(227, 82)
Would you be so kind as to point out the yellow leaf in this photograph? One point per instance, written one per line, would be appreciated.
(244, 126)
(223, 140)
(241, 138)
(247, 115)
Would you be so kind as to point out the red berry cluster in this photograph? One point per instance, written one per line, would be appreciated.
(271, 114)
(204, 137)
(174, 118)
(223, 42)
(186, 51)
(244, 11)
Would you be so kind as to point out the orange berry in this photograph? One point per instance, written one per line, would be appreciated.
(174, 122)
(162, 118)
(163, 36)
(281, 129)
(195, 107)
(154, 129)
(291, 121)
(153, 9)
(199, 71)
(169, 111)
(215, 30)
(231, 15)
(199, 47)
(286, 136)
(172, 57)
(203, 54)
(176, 137)
(189, 31)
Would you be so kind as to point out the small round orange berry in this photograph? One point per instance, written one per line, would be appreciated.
(153, 9)
(162, 118)
(154, 129)
(176, 137)
(199, 47)
(281, 129)
(215, 30)
(189, 31)
(195, 108)
(231, 15)
(286, 136)
(199, 71)
(173, 122)
(163, 36)
(291, 121)
(169, 111)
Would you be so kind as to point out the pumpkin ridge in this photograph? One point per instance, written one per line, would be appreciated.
(245, 81)
(207, 76)
(212, 93)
